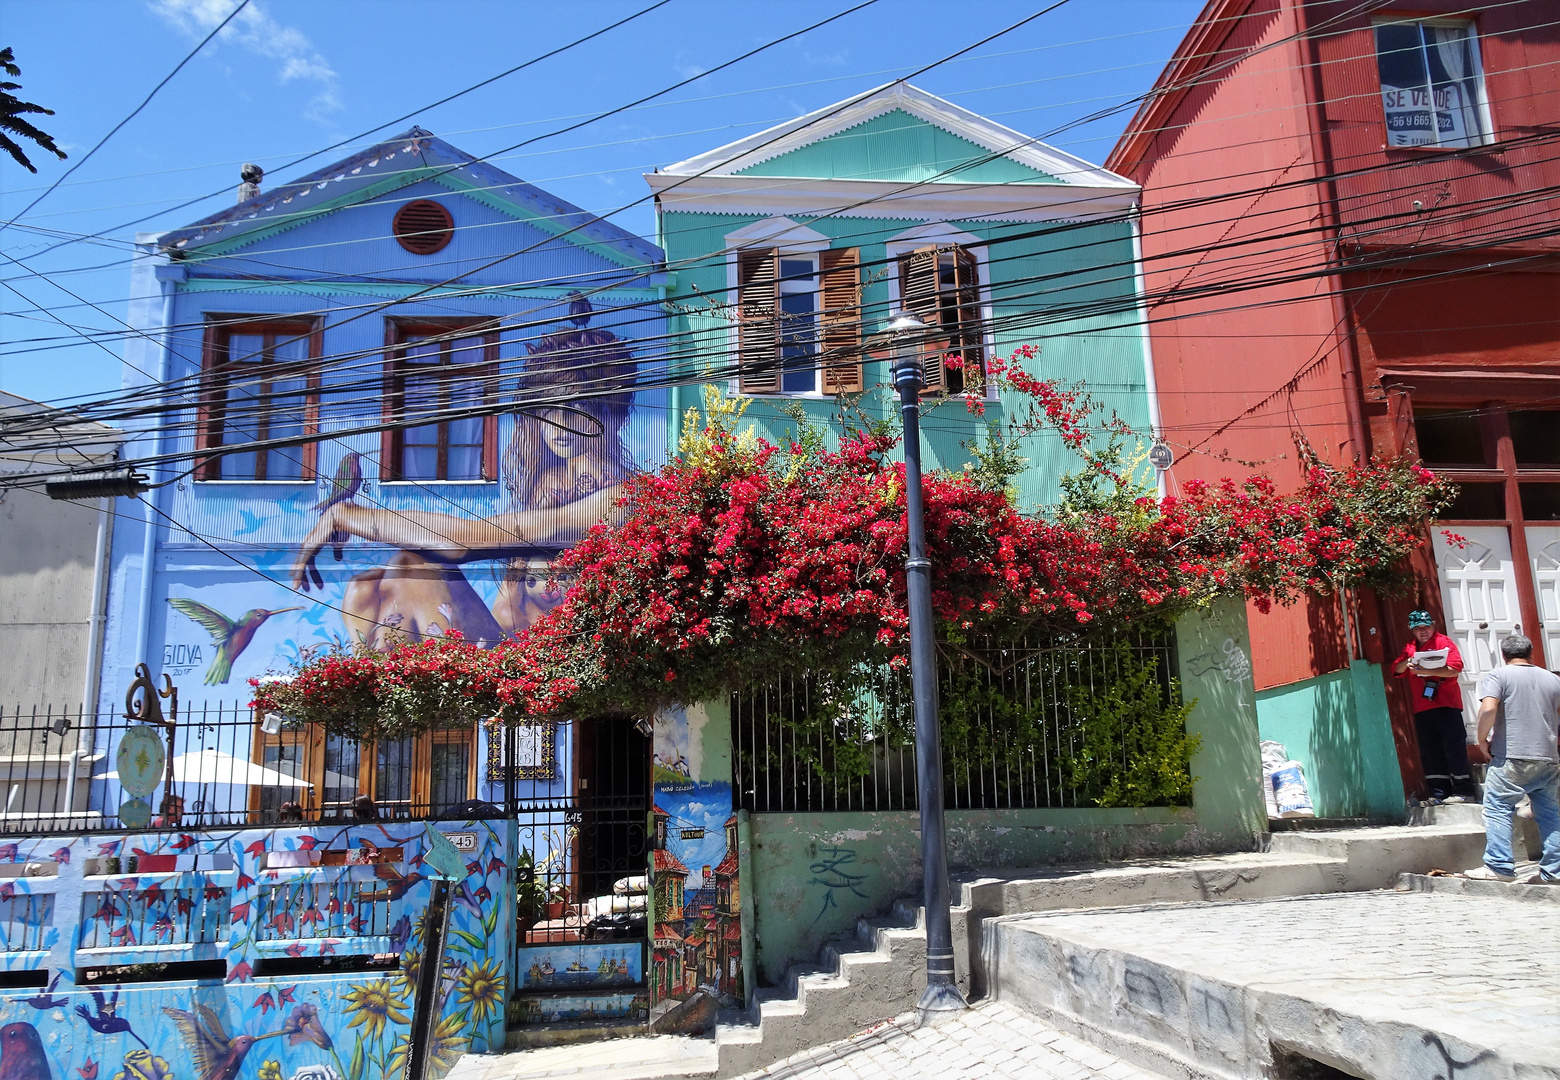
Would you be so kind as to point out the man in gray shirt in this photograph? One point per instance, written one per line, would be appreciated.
(1519, 719)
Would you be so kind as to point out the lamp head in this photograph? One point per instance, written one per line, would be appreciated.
(905, 331)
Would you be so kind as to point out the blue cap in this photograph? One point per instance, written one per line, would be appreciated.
(1420, 618)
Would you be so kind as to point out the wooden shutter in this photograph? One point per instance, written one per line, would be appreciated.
(969, 336)
(389, 440)
(840, 290)
(758, 321)
(918, 296)
(209, 405)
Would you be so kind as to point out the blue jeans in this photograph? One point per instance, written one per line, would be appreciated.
(1504, 786)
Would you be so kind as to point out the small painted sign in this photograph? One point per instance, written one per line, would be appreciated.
(442, 856)
(690, 834)
(1160, 456)
(463, 841)
(135, 813)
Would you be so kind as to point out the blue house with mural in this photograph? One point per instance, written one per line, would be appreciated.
(388, 393)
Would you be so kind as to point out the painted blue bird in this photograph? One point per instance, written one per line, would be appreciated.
(45, 999)
(21, 1054)
(107, 1021)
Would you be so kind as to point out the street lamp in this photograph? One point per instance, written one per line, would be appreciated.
(942, 997)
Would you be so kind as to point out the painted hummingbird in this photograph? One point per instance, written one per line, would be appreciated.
(107, 1021)
(216, 1056)
(231, 636)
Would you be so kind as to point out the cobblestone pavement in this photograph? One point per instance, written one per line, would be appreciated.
(1481, 968)
(991, 1040)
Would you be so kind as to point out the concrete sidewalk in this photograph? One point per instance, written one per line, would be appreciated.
(990, 1040)
(1380, 984)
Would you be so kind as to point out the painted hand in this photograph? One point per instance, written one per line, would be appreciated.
(327, 530)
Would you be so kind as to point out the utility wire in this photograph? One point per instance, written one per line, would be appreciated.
(133, 113)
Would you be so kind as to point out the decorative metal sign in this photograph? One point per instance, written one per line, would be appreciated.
(141, 760)
(1160, 456)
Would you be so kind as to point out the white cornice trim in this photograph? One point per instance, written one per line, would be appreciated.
(768, 196)
(830, 120)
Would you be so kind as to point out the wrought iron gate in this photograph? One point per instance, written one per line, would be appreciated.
(580, 799)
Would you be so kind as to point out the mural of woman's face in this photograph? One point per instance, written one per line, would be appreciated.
(564, 432)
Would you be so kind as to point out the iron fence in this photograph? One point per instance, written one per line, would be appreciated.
(217, 766)
(1013, 717)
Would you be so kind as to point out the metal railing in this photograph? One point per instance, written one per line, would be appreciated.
(1011, 728)
(219, 769)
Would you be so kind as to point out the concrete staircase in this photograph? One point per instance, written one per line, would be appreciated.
(879, 973)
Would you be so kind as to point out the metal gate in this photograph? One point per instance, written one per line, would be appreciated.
(581, 802)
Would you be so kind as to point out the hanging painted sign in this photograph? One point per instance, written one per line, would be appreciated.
(140, 760)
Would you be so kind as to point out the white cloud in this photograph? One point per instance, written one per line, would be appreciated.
(256, 31)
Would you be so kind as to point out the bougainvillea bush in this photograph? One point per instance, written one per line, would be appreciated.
(742, 560)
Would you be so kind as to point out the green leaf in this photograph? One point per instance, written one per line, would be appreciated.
(470, 938)
(356, 1066)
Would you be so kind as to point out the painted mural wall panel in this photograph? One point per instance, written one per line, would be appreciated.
(696, 897)
(299, 974)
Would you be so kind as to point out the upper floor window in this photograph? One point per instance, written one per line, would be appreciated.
(1432, 86)
(799, 321)
(260, 382)
(436, 370)
(941, 287)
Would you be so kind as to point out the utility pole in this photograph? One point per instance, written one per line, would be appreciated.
(942, 998)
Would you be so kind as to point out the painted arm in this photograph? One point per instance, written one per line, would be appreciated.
(447, 538)
(1487, 707)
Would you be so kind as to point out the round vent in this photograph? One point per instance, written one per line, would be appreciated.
(423, 227)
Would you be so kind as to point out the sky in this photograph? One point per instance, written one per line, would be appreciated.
(289, 77)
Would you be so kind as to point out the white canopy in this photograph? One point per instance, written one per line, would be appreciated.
(212, 766)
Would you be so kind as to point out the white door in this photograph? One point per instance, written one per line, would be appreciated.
(1479, 595)
(1544, 551)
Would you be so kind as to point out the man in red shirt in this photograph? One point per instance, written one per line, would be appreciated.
(1438, 710)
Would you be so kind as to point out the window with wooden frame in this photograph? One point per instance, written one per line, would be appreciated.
(260, 380)
(434, 369)
(415, 777)
(799, 321)
(941, 287)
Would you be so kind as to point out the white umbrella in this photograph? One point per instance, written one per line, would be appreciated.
(212, 766)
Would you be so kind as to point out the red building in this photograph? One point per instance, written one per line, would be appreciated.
(1349, 228)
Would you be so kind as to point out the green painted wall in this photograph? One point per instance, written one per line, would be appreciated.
(1214, 652)
(815, 874)
(1076, 264)
(1337, 726)
(898, 148)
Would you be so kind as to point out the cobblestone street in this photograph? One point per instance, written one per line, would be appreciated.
(991, 1040)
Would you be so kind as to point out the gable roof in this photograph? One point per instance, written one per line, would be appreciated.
(1198, 50)
(410, 157)
(911, 154)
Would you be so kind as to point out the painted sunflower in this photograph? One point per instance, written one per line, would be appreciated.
(444, 1049)
(482, 987)
(374, 1004)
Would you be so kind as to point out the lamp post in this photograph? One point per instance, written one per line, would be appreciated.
(942, 997)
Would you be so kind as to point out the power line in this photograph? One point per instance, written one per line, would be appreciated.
(133, 112)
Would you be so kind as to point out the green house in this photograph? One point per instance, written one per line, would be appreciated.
(789, 250)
